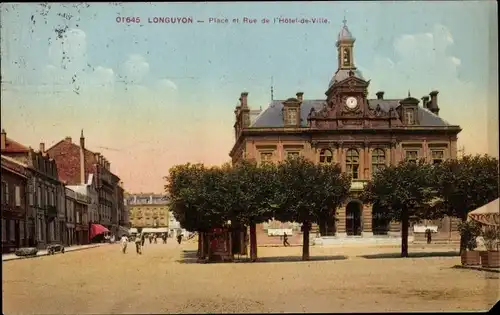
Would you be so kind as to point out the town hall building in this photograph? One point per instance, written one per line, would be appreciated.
(345, 127)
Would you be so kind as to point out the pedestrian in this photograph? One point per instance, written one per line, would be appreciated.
(138, 241)
(164, 238)
(428, 232)
(143, 239)
(179, 238)
(124, 242)
(154, 238)
(285, 240)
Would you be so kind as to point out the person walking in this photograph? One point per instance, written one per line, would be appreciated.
(179, 238)
(164, 238)
(124, 242)
(285, 240)
(428, 233)
(138, 243)
(143, 239)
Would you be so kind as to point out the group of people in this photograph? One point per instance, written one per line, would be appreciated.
(140, 239)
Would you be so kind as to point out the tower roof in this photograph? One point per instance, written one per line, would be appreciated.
(344, 33)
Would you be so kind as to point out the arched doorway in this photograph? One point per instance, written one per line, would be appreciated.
(353, 218)
(380, 222)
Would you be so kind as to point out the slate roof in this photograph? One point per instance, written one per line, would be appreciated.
(343, 74)
(272, 116)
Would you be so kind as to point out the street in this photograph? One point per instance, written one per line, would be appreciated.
(165, 279)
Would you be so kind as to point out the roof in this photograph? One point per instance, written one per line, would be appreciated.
(488, 214)
(272, 116)
(343, 74)
(12, 146)
(344, 33)
(14, 161)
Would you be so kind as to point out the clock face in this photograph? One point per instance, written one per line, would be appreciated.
(351, 102)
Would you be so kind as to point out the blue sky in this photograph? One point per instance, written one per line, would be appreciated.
(171, 88)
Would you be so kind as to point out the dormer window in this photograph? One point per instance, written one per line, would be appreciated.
(291, 117)
(410, 117)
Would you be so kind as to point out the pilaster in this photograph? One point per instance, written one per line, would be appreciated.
(367, 220)
(341, 216)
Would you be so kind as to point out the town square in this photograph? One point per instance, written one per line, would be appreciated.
(271, 165)
(165, 280)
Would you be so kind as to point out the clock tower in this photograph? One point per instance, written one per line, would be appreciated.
(345, 45)
(348, 90)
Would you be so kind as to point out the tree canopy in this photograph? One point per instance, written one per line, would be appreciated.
(404, 192)
(465, 184)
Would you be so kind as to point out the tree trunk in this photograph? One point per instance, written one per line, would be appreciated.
(463, 241)
(405, 224)
(253, 242)
(305, 241)
(200, 244)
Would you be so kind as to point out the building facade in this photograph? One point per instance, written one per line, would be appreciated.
(148, 210)
(80, 204)
(76, 163)
(43, 192)
(14, 204)
(362, 135)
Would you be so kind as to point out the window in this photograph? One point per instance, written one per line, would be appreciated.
(437, 156)
(410, 117)
(292, 154)
(12, 231)
(30, 196)
(266, 156)
(291, 117)
(378, 160)
(21, 230)
(325, 156)
(18, 196)
(412, 156)
(39, 196)
(5, 193)
(352, 163)
(4, 229)
(77, 216)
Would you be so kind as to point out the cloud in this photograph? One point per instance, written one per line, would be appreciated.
(135, 69)
(168, 84)
(422, 62)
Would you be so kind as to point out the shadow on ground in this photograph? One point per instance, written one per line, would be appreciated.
(412, 255)
(190, 257)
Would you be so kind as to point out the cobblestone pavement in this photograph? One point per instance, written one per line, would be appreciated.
(165, 280)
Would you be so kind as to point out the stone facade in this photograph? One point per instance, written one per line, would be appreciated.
(148, 210)
(360, 134)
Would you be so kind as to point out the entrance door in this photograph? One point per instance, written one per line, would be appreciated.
(353, 218)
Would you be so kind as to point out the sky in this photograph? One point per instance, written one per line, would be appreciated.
(152, 95)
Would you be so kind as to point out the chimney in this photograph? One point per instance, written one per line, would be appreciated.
(82, 158)
(243, 99)
(425, 101)
(42, 147)
(4, 140)
(300, 96)
(68, 139)
(380, 95)
(433, 104)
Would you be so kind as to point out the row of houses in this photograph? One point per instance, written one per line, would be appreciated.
(56, 195)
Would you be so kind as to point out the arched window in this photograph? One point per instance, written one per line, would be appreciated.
(352, 163)
(325, 156)
(378, 160)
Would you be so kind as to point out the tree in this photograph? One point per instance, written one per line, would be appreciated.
(252, 193)
(403, 192)
(464, 185)
(308, 193)
(197, 197)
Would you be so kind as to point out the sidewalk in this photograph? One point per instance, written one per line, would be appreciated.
(43, 252)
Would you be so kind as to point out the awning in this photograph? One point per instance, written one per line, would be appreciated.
(96, 229)
(154, 230)
(488, 214)
(132, 230)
